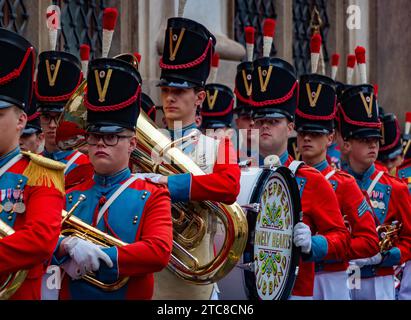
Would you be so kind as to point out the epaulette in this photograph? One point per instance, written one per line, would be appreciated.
(44, 172)
(394, 178)
(344, 174)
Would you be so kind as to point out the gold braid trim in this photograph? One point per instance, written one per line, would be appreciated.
(44, 172)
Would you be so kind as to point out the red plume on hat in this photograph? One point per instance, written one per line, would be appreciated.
(138, 57)
(249, 42)
(360, 53)
(110, 16)
(376, 90)
(351, 60)
(53, 25)
(335, 61)
(85, 57)
(315, 46)
(215, 62)
(269, 33)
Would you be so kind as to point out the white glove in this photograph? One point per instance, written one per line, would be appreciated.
(302, 237)
(73, 269)
(368, 261)
(87, 255)
(153, 177)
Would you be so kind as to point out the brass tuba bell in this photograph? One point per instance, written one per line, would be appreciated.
(190, 220)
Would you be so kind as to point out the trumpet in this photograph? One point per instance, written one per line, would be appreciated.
(388, 235)
(75, 227)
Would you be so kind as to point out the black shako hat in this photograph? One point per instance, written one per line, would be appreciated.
(275, 89)
(243, 88)
(33, 119)
(317, 104)
(187, 54)
(293, 148)
(217, 109)
(391, 142)
(58, 77)
(113, 96)
(18, 59)
(358, 113)
(148, 106)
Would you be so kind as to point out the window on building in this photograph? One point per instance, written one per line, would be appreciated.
(253, 13)
(13, 15)
(308, 15)
(81, 23)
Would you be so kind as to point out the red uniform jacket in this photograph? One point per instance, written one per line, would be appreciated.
(404, 172)
(358, 216)
(330, 237)
(37, 229)
(222, 185)
(79, 171)
(391, 202)
(140, 217)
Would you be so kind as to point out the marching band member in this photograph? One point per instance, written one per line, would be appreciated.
(32, 187)
(360, 128)
(185, 66)
(322, 234)
(404, 170)
(247, 146)
(217, 108)
(315, 124)
(59, 74)
(118, 203)
(390, 151)
(32, 137)
(148, 106)
(404, 173)
(334, 152)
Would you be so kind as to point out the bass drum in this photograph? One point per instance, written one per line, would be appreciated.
(269, 265)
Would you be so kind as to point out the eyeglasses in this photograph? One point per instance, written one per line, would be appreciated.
(46, 118)
(110, 140)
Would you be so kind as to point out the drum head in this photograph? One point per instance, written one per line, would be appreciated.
(271, 236)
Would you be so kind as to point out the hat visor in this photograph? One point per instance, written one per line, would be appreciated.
(391, 155)
(315, 129)
(274, 115)
(51, 108)
(104, 128)
(215, 125)
(176, 84)
(5, 104)
(367, 133)
(30, 131)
